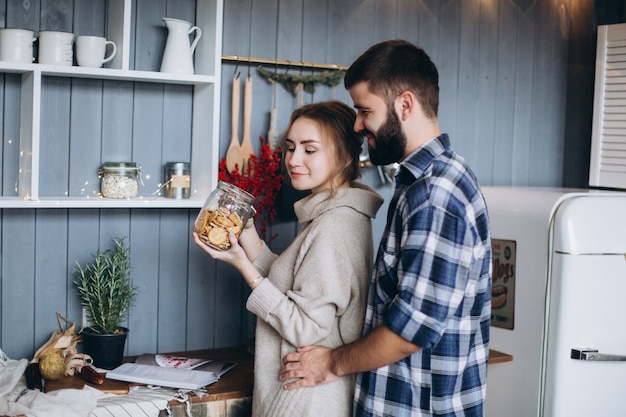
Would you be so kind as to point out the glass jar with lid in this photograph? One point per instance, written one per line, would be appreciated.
(177, 180)
(119, 179)
(226, 210)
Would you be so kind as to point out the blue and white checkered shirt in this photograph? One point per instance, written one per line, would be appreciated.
(432, 286)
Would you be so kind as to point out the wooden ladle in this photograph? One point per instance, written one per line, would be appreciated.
(246, 143)
(234, 153)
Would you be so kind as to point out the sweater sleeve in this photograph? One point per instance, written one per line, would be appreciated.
(331, 266)
(264, 260)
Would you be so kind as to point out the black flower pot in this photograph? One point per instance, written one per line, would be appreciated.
(106, 350)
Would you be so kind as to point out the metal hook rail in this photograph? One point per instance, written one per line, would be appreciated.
(282, 62)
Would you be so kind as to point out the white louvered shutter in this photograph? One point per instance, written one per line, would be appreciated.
(608, 142)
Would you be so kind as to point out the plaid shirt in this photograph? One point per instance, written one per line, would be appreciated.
(432, 286)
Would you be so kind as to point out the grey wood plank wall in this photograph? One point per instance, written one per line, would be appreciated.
(503, 70)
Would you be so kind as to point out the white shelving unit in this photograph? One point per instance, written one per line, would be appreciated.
(206, 99)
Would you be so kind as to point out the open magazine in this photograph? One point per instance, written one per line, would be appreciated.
(171, 371)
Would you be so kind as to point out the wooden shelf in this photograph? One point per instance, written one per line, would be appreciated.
(100, 202)
(499, 357)
(106, 74)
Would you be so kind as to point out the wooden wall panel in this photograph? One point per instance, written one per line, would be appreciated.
(548, 108)
(385, 23)
(171, 280)
(3, 13)
(502, 67)
(504, 124)
(150, 34)
(10, 133)
(17, 309)
(144, 241)
(51, 271)
(262, 33)
(148, 138)
(201, 307)
(176, 141)
(56, 15)
(523, 102)
(85, 137)
(449, 66)
(117, 130)
(23, 15)
(314, 35)
(487, 74)
(90, 18)
(463, 133)
(55, 136)
(83, 241)
(408, 14)
(2, 143)
(428, 25)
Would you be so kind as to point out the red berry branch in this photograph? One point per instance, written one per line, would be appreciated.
(263, 180)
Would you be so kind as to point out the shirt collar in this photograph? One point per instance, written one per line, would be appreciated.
(414, 165)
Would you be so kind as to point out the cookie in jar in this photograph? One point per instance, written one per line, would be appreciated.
(225, 211)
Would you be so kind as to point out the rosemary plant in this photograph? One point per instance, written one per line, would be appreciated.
(106, 289)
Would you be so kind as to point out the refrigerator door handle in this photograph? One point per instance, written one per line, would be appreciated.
(590, 354)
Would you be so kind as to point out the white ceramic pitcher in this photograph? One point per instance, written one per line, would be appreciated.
(178, 54)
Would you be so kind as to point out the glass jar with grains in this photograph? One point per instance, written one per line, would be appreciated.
(119, 179)
(226, 210)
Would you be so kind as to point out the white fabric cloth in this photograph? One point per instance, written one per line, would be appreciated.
(140, 401)
(61, 403)
(16, 399)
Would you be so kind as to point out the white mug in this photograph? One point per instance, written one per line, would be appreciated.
(91, 51)
(55, 48)
(16, 45)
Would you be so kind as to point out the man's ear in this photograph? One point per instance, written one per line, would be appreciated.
(405, 104)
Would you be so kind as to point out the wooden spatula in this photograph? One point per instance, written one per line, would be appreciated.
(246, 143)
(234, 154)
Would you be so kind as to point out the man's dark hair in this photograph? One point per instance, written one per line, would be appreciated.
(392, 67)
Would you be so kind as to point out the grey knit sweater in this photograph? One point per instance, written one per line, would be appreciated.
(316, 293)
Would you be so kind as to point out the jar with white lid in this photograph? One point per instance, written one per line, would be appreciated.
(226, 210)
(120, 179)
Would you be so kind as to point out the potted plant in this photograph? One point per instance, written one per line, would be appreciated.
(107, 293)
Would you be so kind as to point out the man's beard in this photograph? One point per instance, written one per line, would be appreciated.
(390, 142)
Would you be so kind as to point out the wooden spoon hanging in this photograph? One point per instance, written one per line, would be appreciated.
(246, 143)
(234, 154)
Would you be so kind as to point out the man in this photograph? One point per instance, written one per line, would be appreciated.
(425, 345)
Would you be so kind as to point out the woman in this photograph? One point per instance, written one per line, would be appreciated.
(315, 291)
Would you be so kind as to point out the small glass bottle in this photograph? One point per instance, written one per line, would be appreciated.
(226, 210)
(119, 179)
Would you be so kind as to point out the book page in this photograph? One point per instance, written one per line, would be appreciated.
(179, 361)
(162, 376)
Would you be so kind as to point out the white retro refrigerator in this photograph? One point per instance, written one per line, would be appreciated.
(559, 302)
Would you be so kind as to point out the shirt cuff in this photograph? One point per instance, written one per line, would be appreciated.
(264, 299)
